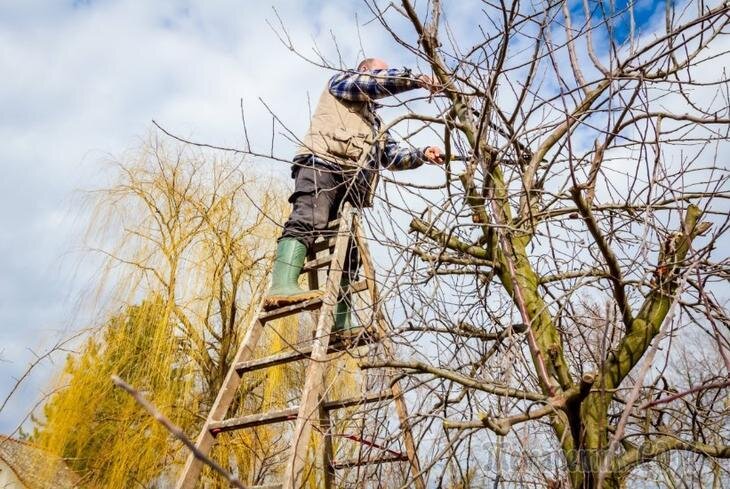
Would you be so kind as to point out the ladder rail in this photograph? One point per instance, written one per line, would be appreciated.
(326, 450)
(294, 471)
(193, 466)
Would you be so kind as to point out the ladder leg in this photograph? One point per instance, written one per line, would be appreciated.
(313, 384)
(313, 275)
(325, 423)
(191, 471)
(325, 452)
(381, 325)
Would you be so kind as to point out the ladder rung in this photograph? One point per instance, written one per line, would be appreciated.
(359, 286)
(356, 400)
(316, 263)
(333, 224)
(323, 244)
(253, 420)
(309, 305)
(290, 414)
(289, 310)
(336, 344)
(378, 460)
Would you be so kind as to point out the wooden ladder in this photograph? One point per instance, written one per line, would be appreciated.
(313, 410)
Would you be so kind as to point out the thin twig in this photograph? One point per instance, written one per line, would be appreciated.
(176, 431)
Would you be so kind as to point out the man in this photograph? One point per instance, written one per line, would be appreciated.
(335, 162)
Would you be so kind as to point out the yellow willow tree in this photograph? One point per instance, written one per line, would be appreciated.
(187, 249)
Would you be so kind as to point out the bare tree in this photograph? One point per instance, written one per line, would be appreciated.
(564, 269)
(559, 300)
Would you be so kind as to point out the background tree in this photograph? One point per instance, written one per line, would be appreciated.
(188, 241)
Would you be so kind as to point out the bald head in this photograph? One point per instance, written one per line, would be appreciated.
(371, 64)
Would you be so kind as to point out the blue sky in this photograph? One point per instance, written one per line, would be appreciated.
(643, 10)
(81, 82)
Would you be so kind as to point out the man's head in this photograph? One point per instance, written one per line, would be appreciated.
(371, 64)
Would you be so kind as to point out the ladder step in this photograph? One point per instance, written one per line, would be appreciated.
(317, 263)
(253, 420)
(359, 286)
(289, 310)
(309, 305)
(378, 460)
(323, 244)
(363, 399)
(290, 414)
(339, 342)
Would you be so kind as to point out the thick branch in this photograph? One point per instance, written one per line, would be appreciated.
(442, 258)
(656, 306)
(444, 239)
(502, 426)
(489, 387)
(617, 280)
(651, 449)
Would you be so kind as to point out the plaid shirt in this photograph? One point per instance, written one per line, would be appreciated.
(368, 86)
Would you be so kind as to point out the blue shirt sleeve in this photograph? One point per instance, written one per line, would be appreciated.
(363, 86)
(397, 158)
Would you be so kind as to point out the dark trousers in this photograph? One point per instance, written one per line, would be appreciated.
(319, 192)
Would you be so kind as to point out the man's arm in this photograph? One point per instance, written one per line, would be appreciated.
(397, 158)
(363, 86)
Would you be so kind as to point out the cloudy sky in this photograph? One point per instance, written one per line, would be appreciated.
(82, 81)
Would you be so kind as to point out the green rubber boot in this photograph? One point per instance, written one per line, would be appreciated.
(343, 316)
(285, 290)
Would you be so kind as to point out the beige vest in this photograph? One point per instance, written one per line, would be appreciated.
(340, 131)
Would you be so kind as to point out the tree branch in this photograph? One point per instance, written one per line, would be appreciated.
(617, 280)
(502, 426)
(489, 387)
(176, 431)
(652, 449)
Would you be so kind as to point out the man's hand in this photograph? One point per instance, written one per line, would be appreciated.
(429, 83)
(434, 155)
